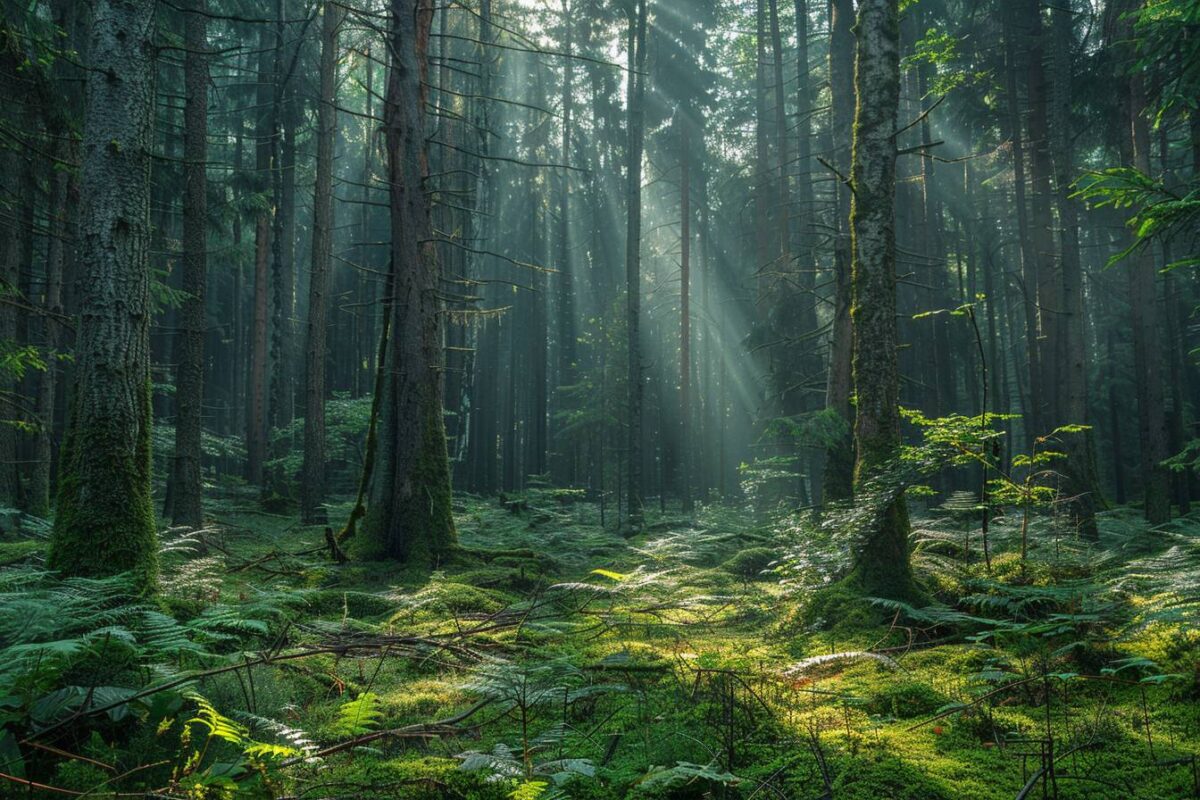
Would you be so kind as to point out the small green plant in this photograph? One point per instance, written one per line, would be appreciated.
(358, 716)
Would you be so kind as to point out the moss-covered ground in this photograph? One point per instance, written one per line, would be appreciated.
(551, 656)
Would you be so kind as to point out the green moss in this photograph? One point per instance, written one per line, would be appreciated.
(105, 521)
(749, 564)
(882, 563)
(12, 552)
(419, 527)
(840, 608)
(359, 605)
(904, 699)
(888, 778)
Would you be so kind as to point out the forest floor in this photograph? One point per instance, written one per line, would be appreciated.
(553, 656)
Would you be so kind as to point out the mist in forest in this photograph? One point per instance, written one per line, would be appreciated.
(880, 311)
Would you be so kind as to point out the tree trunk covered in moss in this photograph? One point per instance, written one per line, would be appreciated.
(409, 517)
(105, 521)
(312, 489)
(186, 491)
(881, 565)
(838, 480)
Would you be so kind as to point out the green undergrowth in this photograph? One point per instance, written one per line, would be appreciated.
(548, 656)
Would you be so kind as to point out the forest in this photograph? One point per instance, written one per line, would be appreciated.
(600, 399)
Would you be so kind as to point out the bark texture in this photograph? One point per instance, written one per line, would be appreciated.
(312, 488)
(839, 459)
(633, 264)
(186, 492)
(409, 517)
(881, 565)
(105, 521)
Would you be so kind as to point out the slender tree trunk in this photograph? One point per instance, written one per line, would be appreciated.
(409, 517)
(839, 458)
(105, 521)
(1049, 300)
(806, 257)
(1080, 484)
(256, 418)
(685, 317)
(1032, 425)
(633, 270)
(564, 456)
(187, 492)
(476, 447)
(1147, 346)
(312, 490)
(882, 558)
(61, 185)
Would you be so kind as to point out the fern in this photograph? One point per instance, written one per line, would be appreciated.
(217, 725)
(358, 716)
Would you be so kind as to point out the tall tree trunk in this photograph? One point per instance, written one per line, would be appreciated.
(62, 188)
(105, 521)
(1049, 300)
(187, 492)
(312, 490)
(685, 316)
(881, 563)
(281, 401)
(256, 417)
(409, 517)
(1080, 484)
(839, 458)
(563, 466)
(633, 263)
(1147, 346)
(806, 258)
(1032, 425)
(476, 443)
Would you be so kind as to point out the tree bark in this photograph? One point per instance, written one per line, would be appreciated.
(409, 517)
(685, 317)
(633, 269)
(62, 188)
(312, 490)
(1147, 345)
(838, 483)
(881, 558)
(1079, 484)
(256, 417)
(105, 521)
(187, 492)
(1032, 425)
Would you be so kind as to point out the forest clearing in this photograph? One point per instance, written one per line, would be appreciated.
(588, 400)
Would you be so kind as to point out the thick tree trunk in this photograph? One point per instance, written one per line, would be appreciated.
(186, 492)
(881, 559)
(105, 521)
(409, 517)
(312, 489)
